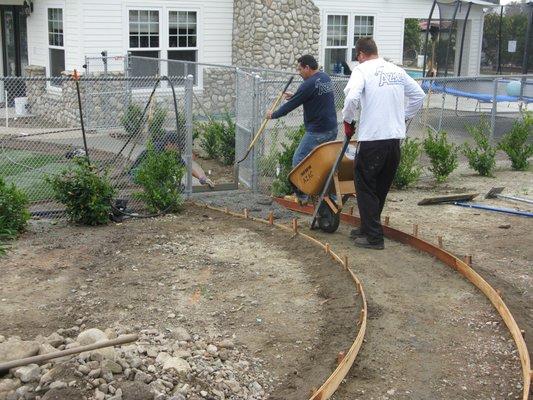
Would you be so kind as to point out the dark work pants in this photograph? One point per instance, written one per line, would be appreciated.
(375, 167)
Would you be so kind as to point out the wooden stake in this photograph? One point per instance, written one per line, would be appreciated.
(328, 250)
(246, 215)
(271, 218)
(295, 225)
(415, 230)
(345, 262)
(340, 357)
(226, 211)
(387, 221)
(468, 260)
(439, 240)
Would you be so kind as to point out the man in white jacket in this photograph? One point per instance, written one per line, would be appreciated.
(387, 97)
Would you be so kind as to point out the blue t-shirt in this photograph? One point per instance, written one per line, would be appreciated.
(316, 95)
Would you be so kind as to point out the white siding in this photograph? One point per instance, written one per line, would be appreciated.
(389, 17)
(92, 26)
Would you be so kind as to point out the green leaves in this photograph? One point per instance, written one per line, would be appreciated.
(160, 175)
(409, 170)
(517, 143)
(86, 195)
(482, 156)
(217, 138)
(281, 185)
(13, 213)
(442, 154)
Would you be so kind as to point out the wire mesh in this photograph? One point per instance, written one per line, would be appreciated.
(42, 132)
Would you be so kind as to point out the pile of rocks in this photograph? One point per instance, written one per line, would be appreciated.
(170, 365)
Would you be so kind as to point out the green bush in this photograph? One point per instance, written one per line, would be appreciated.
(281, 185)
(217, 138)
(132, 119)
(160, 175)
(409, 170)
(156, 122)
(481, 157)
(442, 154)
(517, 143)
(85, 193)
(13, 212)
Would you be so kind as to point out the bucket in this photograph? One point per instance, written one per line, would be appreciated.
(21, 104)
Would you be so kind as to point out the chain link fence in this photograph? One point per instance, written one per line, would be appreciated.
(42, 133)
(451, 105)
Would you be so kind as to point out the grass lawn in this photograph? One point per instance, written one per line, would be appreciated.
(27, 171)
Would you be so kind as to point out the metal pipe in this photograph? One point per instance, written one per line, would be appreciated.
(463, 39)
(499, 70)
(450, 37)
(493, 111)
(80, 107)
(525, 62)
(189, 87)
(496, 209)
(428, 26)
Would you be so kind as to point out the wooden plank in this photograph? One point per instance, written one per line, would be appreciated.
(447, 199)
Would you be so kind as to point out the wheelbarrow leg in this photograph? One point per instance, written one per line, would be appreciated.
(325, 189)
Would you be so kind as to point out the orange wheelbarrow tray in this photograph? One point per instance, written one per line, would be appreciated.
(311, 174)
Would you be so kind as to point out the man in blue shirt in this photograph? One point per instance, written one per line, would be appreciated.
(320, 118)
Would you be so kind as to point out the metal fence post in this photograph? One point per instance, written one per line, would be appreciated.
(189, 84)
(256, 117)
(237, 129)
(494, 110)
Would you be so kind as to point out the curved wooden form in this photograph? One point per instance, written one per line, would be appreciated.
(461, 267)
(332, 383)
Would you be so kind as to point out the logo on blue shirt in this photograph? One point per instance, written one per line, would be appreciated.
(324, 87)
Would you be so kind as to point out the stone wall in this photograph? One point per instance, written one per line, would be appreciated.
(274, 33)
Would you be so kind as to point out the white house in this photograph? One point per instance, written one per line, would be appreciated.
(59, 34)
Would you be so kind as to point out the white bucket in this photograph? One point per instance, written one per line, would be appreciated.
(21, 104)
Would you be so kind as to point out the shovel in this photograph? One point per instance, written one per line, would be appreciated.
(495, 192)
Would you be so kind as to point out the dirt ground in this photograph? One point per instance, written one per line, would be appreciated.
(430, 333)
(281, 298)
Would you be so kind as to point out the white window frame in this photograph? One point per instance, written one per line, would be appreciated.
(350, 45)
(61, 6)
(164, 12)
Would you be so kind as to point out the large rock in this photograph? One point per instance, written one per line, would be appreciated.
(135, 390)
(178, 364)
(181, 334)
(28, 373)
(91, 336)
(69, 393)
(111, 366)
(15, 349)
(55, 339)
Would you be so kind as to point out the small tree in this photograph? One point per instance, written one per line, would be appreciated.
(160, 175)
(281, 185)
(517, 143)
(86, 194)
(482, 156)
(14, 213)
(442, 154)
(409, 170)
(132, 119)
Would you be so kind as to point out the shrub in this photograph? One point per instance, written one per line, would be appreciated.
(481, 157)
(281, 185)
(132, 119)
(160, 175)
(442, 154)
(85, 193)
(517, 143)
(13, 212)
(408, 171)
(155, 124)
(217, 138)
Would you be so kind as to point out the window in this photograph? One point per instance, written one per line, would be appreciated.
(182, 42)
(336, 41)
(56, 48)
(144, 41)
(342, 33)
(362, 27)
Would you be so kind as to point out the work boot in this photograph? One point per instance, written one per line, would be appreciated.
(357, 233)
(363, 242)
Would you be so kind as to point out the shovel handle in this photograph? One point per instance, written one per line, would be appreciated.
(265, 120)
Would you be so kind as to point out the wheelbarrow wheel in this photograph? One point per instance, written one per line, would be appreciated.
(328, 221)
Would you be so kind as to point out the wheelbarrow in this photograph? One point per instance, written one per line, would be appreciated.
(328, 170)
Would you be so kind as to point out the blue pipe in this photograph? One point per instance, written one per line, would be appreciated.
(497, 209)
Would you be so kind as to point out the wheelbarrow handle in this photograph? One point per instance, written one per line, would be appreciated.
(330, 178)
(265, 120)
